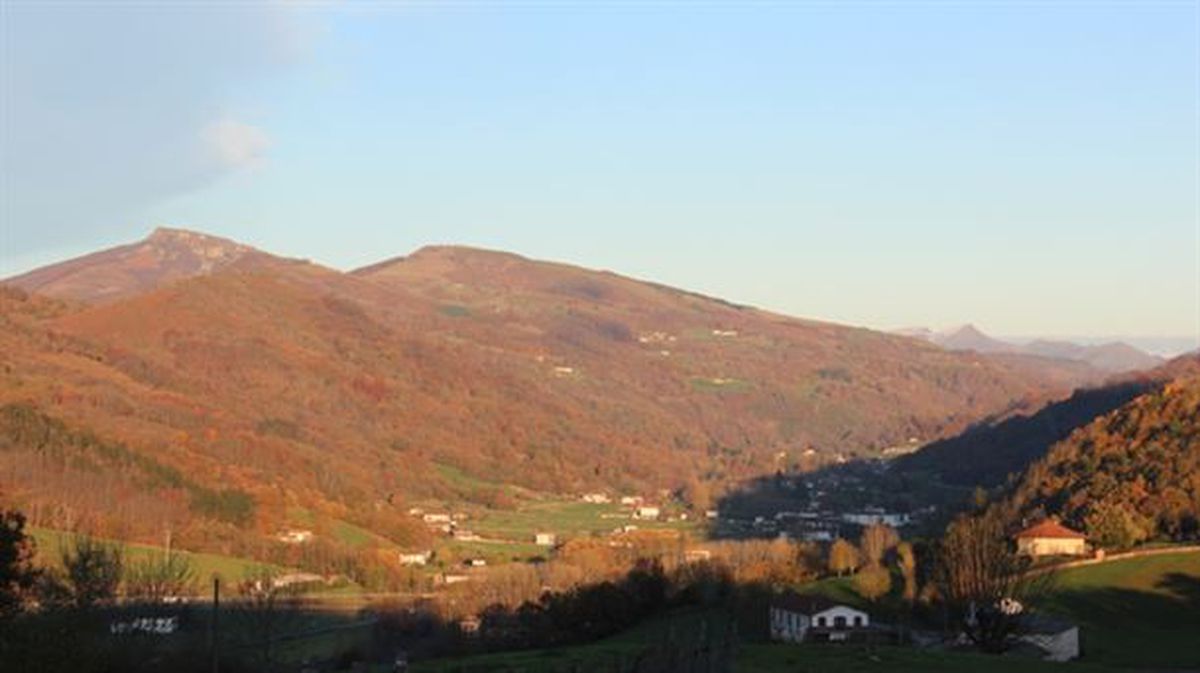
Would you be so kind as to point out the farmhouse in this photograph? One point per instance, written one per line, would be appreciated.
(417, 558)
(646, 512)
(872, 516)
(795, 619)
(1050, 538)
(295, 536)
(545, 539)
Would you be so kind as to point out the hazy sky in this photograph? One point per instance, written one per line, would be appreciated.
(1027, 166)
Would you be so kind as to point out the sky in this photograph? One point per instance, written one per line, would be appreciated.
(1029, 167)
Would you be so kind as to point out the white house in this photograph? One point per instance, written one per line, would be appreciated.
(868, 518)
(436, 518)
(797, 618)
(416, 558)
(544, 539)
(295, 536)
(646, 512)
(596, 498)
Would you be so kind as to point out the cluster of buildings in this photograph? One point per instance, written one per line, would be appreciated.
(795, 618)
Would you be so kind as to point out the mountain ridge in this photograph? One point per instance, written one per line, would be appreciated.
(1114, 357)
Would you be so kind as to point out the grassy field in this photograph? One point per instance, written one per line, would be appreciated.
(751, 657)
(600, 655)
(777, 658)
(50, 544)
(1141, 612)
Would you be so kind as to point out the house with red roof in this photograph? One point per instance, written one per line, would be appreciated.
(1050, 538)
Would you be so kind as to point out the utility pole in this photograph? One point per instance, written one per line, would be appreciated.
(213, 624)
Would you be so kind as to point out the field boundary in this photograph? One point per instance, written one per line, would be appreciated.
(1136, 553)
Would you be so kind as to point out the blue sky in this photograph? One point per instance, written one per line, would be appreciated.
(1029, 167)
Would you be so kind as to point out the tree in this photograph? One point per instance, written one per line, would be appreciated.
(876, 540)
(984, 582)
(17, 573)
(268, 608)
(93, 570)
(843, 557)
(906, 559)
(697, 494)
(872, 582)
(160, 576)
(1114, 526)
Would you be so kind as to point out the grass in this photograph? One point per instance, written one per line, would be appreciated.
(50, 544)
(564, 518)
(772, 658)
(601, 655)
(751, 657)
(1141, 612)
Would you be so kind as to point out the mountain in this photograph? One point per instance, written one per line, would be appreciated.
(969, 338)
(165, 256)
(1114, 357)
(1130, 475)
(223, 393)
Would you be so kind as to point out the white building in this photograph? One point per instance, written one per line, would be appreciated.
(869, 518)
(797, 618)
(295, 536)
(596, 498)
(646, 512)
(545, 539)
(416, 558)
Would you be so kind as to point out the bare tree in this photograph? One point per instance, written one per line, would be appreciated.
(985, 583)
(267, 608)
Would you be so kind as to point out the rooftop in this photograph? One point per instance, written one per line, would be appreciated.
(1051, 529)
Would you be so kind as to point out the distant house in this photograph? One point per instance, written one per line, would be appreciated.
(475, 563)
(596, 498)
(417, 558)
(469, 626)
(295, 536)
(631, 500)
(436, 518)
(795, 619)
(870, 517)
(646, 512)
(545, 539)
(1050, 538)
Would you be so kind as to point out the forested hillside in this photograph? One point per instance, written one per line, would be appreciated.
(1129, 476)
(225, 393)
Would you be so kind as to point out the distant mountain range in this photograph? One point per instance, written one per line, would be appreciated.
(194, 383)
(1113, 357)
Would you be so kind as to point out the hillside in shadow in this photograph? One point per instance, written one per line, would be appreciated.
(986, 454)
